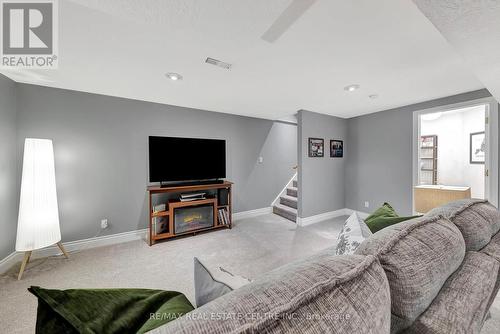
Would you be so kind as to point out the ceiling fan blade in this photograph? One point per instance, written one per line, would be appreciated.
(291, 14)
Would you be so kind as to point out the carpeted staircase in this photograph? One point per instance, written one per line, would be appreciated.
(287, 206)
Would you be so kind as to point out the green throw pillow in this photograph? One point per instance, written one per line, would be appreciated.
(117, 311)
(383, 217)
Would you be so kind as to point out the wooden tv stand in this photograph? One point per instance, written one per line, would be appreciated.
(175, 203)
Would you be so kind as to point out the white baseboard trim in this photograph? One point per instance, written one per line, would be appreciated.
(361, 214)
(252, 213)
(329, 215)
(105, 240)
(7, 262)
(73, 246)
(321, 217)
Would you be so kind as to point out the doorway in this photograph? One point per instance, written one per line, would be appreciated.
(454, 154)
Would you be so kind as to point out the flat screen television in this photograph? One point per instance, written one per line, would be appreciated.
(186, 159)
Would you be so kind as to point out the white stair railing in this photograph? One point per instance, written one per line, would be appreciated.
(283, 192)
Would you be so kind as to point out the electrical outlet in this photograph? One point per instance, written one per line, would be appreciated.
(367, 204)
(104, 224)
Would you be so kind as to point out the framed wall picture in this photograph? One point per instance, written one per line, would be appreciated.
(316, 147)
(477, 147)
(336, 148)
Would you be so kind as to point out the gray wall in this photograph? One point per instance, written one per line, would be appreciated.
(320, 180)
(101, 153)
(8, 167)
(379, 158)
(101, 156)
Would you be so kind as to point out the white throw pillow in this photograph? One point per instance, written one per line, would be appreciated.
(353, 233)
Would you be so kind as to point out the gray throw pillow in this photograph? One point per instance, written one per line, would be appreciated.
(211, 284)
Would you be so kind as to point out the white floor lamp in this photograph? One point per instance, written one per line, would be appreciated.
(38, 222)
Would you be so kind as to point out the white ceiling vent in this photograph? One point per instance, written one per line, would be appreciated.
(218, 63)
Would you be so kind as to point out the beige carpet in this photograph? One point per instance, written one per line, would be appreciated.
(252, 247)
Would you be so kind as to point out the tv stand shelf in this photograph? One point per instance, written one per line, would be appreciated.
(173, 204)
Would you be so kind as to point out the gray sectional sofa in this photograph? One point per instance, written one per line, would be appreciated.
(434, 274)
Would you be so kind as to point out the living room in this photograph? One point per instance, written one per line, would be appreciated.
(173, 159)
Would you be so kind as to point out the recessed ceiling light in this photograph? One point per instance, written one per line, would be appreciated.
(174, 76)
(351, 88)
(373, 96)
(218, 63)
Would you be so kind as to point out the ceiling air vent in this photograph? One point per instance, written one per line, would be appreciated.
(218, 63)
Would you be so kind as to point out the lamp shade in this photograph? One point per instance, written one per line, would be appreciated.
(38, 221)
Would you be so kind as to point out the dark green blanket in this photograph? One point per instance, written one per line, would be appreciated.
(106, 310)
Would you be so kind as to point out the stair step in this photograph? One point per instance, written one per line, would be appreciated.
(286, 212)
(295, 183)
(291, 192)
(289, 201)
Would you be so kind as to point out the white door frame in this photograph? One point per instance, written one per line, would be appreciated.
(491, 136)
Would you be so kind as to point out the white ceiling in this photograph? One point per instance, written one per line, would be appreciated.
(124, 48)
(473, 28)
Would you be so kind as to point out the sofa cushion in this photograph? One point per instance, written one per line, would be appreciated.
(462, 304)
(418, 256)
(492, 249)
(478, 220)
(324, 293)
